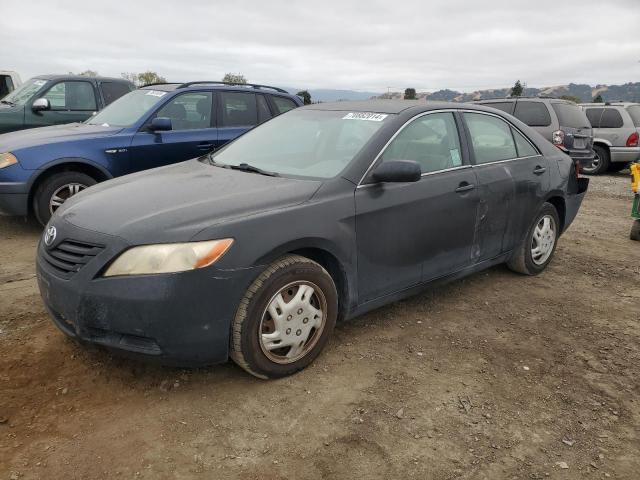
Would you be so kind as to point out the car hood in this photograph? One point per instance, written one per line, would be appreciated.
(174, 203)
(31, 137)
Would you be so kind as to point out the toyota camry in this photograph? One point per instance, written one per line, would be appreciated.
(255, 251)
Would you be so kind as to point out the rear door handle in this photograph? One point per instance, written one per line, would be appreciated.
(205, 146)
(465, 187)
(539, 170)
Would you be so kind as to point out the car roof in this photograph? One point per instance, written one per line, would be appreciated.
(529, 99)
(79, 77)
(394, 106)
(608, 104)
(214, 85)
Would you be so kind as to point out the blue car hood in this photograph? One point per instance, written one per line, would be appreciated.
(33, 137)
(173, 203)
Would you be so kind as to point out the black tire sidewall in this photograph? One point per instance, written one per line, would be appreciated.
(45, 191)
(250, 343)
(530, 265)
(603, 166)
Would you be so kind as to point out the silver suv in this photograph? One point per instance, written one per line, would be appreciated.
(561, 122)
(616, 131)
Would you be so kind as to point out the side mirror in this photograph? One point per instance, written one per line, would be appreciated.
(161, 124)
(41, 104)
(397, 171)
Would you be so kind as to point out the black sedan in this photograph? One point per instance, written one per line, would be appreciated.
(321, 214)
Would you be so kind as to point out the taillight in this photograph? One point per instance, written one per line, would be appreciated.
(557, 137)
(632, 141)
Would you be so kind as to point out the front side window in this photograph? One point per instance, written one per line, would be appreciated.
(431, 140)
(491, 138)
(304, 143)
(594, 114)
(128, 109)
(282, 104)
(238, 109)
(75, 95)
(534, 114)
(24, 92)
(189, 111)
(611, 118)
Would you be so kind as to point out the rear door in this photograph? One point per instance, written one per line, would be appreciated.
(71, 101)
(238, 112)
(192, 135)
(408, 233)
(513, 179)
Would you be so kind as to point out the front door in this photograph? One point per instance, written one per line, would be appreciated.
(71, 101)
(408, 233)
(192, 134)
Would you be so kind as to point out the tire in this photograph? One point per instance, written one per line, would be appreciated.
(617, 166)
(63, 185)
(635, 230)
(600, 163)
(523, 260)
(255, 333)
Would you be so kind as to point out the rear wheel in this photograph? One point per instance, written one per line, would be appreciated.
(533, 256)
(57, 189)
(285, 318)
(600, 163)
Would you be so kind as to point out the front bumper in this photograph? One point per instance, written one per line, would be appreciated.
(181, 319)
(624, 154)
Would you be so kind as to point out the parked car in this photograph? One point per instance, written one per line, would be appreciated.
(560, 121)
(9, 81)
(616, 131)
(147, 128)
(56, 99)
(325, 212)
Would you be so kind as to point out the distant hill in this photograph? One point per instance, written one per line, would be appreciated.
(629, 92)
(329, 95)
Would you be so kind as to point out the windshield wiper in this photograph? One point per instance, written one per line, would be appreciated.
(245, 167)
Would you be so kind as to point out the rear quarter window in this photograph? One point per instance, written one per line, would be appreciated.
(282, 104)
(570, 115)
(534, 114)
(504, 106)
(611, 118)
(113, 90)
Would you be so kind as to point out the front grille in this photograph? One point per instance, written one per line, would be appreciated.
(69, 256)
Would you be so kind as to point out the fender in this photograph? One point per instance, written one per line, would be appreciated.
(66, 160)
(603, 141)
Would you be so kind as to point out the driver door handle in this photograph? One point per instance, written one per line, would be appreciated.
(465, 187)
(205, 146)
(539, 170)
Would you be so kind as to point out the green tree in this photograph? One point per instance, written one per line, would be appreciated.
(305, 95)
(598, 99)
(410, 94)
(571, 98)
(86, 73)
(234, 78)
(517, 89)
(145, 78)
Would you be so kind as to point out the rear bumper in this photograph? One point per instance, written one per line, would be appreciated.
(574, 199)
(584, 157)
(624, 154)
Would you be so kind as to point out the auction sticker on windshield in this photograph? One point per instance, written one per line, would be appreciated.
(156, 93)
(371, 117)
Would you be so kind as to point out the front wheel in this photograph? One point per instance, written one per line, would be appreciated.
(533, 256)
(285, 318)
(55, 190)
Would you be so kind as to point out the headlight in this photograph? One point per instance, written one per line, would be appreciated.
(168, 257)
(7, 159)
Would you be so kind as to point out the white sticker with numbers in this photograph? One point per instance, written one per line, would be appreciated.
(368, 116)
(156, 93)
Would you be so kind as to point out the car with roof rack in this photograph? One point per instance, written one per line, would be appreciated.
(57, 99)
(153, 126)
(560, 121)
(616, 132)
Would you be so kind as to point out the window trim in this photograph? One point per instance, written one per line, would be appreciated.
(97, 97)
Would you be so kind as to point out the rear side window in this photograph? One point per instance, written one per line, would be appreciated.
(594, 114)
(74, 95)
(113, 90)
(611, 118)
(264, 113)
(431, 140)
(238, 109)
(534, 114)
(6, 85)
(570, 115)
(490, 137)
(524, 147)
(504, 106)
(634, 111)
(189, 111)
(282, 104)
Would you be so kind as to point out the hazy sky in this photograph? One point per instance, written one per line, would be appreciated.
(361, 45)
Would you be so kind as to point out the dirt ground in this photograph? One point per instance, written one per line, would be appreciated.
(498, 376)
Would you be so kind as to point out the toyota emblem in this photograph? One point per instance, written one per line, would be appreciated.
(50, 236)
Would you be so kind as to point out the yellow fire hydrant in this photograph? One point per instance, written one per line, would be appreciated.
(635, 210)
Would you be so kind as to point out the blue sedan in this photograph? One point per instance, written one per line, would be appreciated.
(154, 126)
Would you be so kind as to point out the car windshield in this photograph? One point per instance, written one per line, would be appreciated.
(634, 111)
(126, 111)
(304, 143)
(570, 115)
(24, 92)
